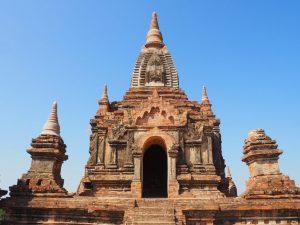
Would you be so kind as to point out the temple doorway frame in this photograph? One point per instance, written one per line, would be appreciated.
(169, 144)
(164, 166)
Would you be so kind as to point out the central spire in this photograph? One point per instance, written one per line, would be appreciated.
(154, 66)
(154, 36)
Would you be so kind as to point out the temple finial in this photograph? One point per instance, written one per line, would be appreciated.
(104, 93)
(154, 23)
(232, 190)
(204, 94)
(51, 126)
(154, 36)
(205, 104)
(103, 102)
(228, 173)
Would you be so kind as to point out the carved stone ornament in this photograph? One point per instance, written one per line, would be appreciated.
(118, 131)
(156, 111)
(155, 70)
(173, 152)
(195, 131)
(94, 142)
(136, 151)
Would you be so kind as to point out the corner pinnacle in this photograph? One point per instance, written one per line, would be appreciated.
(204, 95)
(104, 105)
(104, 93)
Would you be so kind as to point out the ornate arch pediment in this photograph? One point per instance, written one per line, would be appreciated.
(155, 111)
(155, 136)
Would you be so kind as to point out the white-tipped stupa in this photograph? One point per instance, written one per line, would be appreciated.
(51, 126)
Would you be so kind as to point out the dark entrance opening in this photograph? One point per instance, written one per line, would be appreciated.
(155, 173)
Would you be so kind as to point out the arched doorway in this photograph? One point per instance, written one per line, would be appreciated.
(155, 172)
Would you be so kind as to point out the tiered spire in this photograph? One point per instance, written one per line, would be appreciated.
(228, 173)
(232, 190)
(205, 104)
(204, 95)
(104, 102)
(51, 126)
(154, 66)
(154, 36)
(44, 176)
(104, 94)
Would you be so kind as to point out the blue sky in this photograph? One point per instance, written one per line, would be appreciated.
(247, 53)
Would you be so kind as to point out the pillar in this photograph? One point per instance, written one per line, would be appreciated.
(173, 186)
(136, 185)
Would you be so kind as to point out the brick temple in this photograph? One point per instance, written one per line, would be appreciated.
(155, 158)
